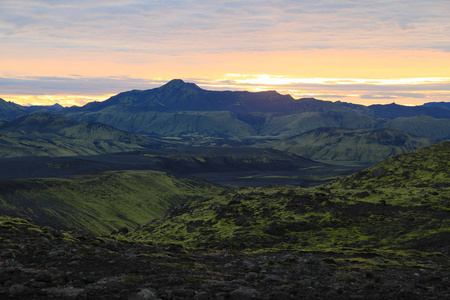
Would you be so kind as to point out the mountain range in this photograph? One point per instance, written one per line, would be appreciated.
(183, 114)
(184, 109)
(10, 110)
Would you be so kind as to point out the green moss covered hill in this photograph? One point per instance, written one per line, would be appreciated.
(47, 135)
(102, 203)
(398, 206)
(339, 144)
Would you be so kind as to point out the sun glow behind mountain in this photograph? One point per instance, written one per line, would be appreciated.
(281, 80)
(406, 91)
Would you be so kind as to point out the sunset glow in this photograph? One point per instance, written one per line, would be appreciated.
(74, 52)
(65, 100)
(280, 80)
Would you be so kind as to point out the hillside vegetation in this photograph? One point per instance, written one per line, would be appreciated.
(190, 123)
(338, 144)
(48, 135)
(102, 203)
(422, 125)
(397, 206)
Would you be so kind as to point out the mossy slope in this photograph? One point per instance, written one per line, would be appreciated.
(388, 211)
(102, 203)
(422, 125)
(48, 135)
(339, 144)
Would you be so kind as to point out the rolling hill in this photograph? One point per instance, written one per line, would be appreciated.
(398, 207)
(49, 135)
(339, 144)
(285, 126)
(422, 125)
(100, 203)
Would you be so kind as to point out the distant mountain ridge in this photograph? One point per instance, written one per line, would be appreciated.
(177, 95)
(392, 111)
(444, 105)
(10, 110)
(183, 110)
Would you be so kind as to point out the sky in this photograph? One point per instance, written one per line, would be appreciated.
(378, 51)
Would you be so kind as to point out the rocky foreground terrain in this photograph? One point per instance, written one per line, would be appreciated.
(42, 263)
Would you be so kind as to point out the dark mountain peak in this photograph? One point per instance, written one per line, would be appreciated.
(174, 83)
(178, 85)
(269, 92)
(57, 105)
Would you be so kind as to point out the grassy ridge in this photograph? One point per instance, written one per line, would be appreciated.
(426, 167)
(339, 144)
(190, 123)
(53, 145)
(100, 204)
(293, 124)
(47, 135)
(352, 214)
(422, 125)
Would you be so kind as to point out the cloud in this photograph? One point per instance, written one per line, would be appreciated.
(110, 37)
(212, 26)
(377, 97)
(49, 90)
(43, 85)
(78, 84)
